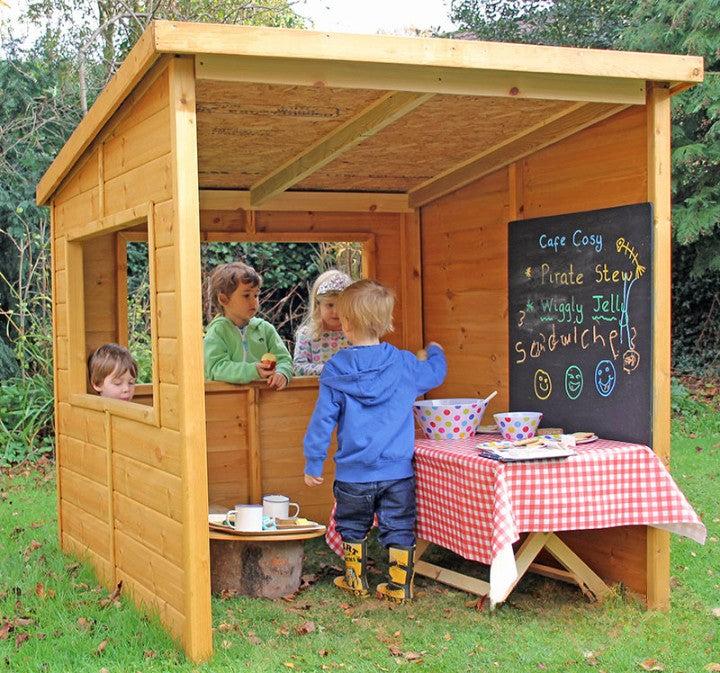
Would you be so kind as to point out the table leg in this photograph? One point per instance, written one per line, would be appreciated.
(576, 570)
(590, 584)
(445, 576)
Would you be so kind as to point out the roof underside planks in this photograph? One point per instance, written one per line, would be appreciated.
(299, 111)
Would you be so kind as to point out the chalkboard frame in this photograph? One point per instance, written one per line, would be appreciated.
(580, 317)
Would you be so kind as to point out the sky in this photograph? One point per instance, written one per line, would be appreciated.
(372, 16)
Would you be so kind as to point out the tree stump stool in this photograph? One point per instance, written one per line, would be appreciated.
(257, 565)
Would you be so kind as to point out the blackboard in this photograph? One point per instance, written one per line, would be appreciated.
(580, 319)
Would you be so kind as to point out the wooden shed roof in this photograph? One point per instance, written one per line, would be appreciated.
(288, 110)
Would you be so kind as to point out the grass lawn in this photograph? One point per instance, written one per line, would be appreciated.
(55, 617)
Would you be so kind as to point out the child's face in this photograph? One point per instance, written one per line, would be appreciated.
(117, 386)
(329, 315)
(242, 304)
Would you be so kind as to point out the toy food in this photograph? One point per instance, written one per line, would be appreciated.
(269, 359)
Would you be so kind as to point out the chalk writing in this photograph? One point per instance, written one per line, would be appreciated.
(580, 311)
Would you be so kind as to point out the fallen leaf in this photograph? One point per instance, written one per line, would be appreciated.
(254, 640)
(101, 647)
(114, 596)
(226, 644)
(651, 665)
(23, 621)
(21, 638)
(5, 629)
(304, 628)
(150, 654)
(716, 612)
(224, 626)
(31, 548)
(712, 667)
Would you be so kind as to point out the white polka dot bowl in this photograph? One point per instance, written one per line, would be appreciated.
(452, 418)
(516, 425)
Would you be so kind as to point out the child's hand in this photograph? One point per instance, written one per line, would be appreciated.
(313, 481)
(265, 369)
(277, 380)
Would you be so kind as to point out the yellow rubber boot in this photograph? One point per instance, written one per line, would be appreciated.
(402, 572)
(355, 578)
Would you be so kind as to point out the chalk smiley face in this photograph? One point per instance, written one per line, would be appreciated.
(542, 384)
(605, 377)
(573, 382)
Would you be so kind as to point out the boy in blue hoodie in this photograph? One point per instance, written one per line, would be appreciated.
(367, 391)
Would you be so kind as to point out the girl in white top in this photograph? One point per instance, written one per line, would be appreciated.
(320, 335)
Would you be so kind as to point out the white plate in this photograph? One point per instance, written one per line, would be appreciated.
(217, 518)
(586, 441)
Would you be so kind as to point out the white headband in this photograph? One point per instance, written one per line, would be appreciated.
(334, 284)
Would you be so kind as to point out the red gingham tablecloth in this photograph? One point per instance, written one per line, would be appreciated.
(475, 506)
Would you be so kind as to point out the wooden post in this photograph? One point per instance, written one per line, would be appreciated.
(191, 401)
(659, 194)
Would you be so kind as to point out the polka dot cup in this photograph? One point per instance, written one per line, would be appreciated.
(515, 425)
(455, 418)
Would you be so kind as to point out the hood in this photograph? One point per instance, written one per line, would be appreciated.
(368, 373)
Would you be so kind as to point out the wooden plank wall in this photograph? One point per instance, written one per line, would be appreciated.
(464, 252)
(120, 477)
(274, 431)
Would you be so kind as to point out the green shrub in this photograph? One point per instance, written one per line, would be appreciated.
(26, 418)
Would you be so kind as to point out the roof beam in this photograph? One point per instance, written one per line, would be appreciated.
(426, 79)
(363, 50)
(355, 202)
(383, 112)
(562, 125)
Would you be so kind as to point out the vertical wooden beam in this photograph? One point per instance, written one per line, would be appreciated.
(659, 194)
(410, 279)
(56, 401)
(110, 497)
(253, 444)
(152, 280)
(121, 289)
(197, 638)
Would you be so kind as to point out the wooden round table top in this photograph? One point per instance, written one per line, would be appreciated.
(268, 536)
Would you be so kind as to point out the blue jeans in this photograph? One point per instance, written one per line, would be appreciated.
(393, 501)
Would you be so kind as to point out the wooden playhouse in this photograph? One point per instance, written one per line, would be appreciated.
(421, 150)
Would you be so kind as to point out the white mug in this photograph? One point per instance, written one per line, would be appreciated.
(247, 518)
(278, 507)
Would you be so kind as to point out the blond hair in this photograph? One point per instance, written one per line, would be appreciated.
(368, 306)
(226, 278)
(104, 360)
(328, 285)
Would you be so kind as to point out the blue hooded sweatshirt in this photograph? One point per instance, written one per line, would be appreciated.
(367, 392)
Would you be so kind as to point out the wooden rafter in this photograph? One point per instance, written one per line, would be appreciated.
(375, 117)
(567, 122)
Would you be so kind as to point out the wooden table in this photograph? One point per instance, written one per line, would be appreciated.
(478, 507)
